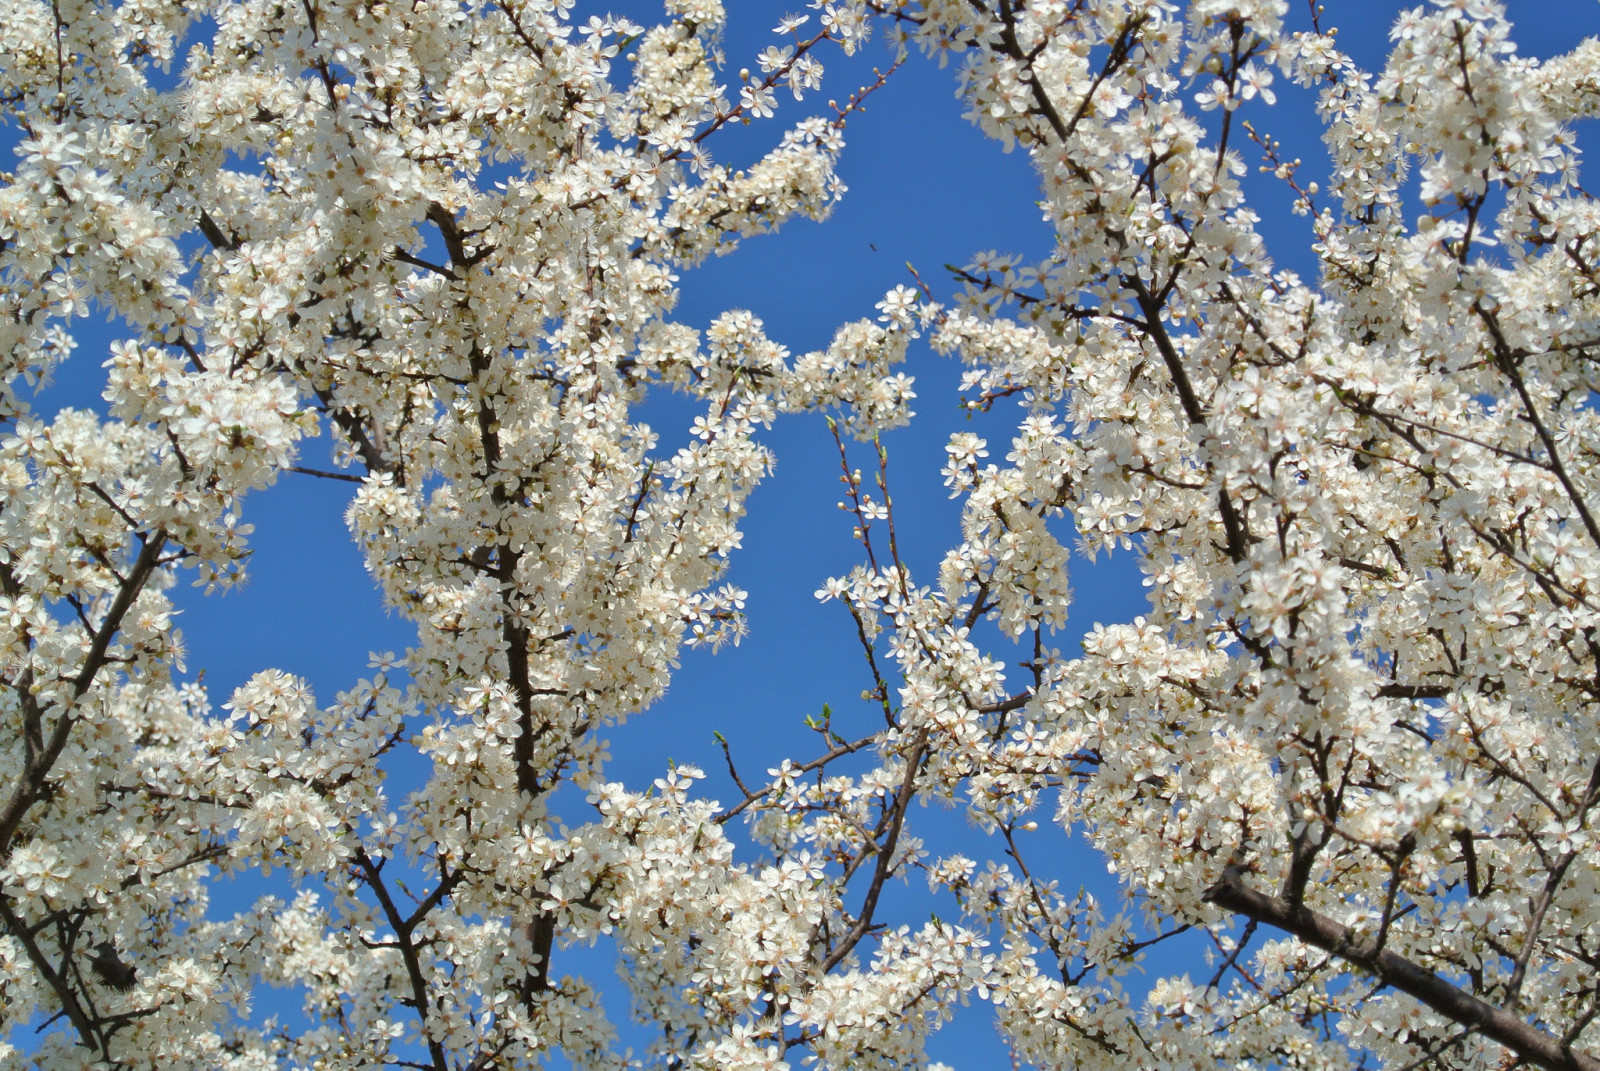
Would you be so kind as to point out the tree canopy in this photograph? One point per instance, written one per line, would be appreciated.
(1352, 745)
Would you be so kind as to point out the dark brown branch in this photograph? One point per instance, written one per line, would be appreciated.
(1506, 360)
(1547, 895)
(356, 432)
(540, 931)
(1529, 1043)
(454, 240)
(839, 751)
(1414, 691)
(403, 928)
(1006, 706)
(428, 265)
(324, 475)
(31, 783)
(214, 235)
(1156, 331)
(1232, 959)
(881, 871)
(70, 1005)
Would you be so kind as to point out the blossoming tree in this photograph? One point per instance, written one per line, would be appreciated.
(1354, 743)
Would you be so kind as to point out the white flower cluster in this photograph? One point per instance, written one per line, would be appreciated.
(1358, 711)
(1351, 747)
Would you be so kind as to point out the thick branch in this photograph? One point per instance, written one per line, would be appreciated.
(371, 453)
(403, 929)
(1232, 524)
(34, 775)
(1506, 360)
(214, 234)
(71, 1006)
(1528, 1042)
(886, 850)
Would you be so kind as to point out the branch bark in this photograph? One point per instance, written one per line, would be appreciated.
(885, 851)
(1528, 1042)
(35, 774)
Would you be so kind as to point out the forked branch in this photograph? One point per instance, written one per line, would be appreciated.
(1530, 1044)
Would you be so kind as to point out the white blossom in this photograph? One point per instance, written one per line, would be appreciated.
(1349, 749)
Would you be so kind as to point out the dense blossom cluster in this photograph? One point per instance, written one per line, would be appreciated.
(1352, 743)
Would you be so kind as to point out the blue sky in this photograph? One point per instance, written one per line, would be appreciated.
(925, 188)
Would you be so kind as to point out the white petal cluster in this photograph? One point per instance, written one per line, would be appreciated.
(1349, 752)
(1364, 514)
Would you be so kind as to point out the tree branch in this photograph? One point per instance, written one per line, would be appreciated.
(34, 774)
(1528, 1042)
(886, 851)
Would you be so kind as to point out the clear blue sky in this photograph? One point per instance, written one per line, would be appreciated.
(925, 187)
